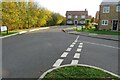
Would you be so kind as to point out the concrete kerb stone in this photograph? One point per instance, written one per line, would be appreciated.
(90, 36)
(22, 32)
(84, 65)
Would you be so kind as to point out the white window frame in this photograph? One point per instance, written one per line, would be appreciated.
(118, 8)
(69, 16)
(82, 22)
(69, 22)
(104, 22)
(83, 16)
(76, 16)
(106, 9)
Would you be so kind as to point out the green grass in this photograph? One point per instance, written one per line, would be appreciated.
(78, 73)
(101, 32)
(9, 32)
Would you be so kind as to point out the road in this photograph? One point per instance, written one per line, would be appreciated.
(30, 55)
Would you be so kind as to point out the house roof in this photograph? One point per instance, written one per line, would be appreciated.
(110, 2)
(77, 13)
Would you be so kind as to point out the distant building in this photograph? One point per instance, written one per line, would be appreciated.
(76, 17)
(89, 18)
(97, 17)
(110, 15)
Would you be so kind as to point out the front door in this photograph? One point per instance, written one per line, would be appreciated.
(75, 22)
(115, 24)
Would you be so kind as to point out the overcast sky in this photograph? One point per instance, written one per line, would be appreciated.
(61, 6)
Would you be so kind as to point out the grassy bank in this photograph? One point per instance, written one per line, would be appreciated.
(78, 73)
(100, 32)
(9, 32)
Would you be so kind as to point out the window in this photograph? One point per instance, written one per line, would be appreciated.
(104, 22)
(106, 9)
(69, 22)
(69, 16)
(82, 22)
(83, 16)
(118, 8)
(76, 16)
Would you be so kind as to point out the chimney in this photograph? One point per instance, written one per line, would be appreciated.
(85, 9)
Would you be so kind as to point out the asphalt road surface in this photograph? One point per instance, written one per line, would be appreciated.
(30, 55)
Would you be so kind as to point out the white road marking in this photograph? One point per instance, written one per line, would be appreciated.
(77, 55)
(58, 63)
(79, 50)
(64, 54)
(69, 49)
(74, 62)
(80, 46)
(81, 43)
(101, 45)
(71, 45)
(76, 39)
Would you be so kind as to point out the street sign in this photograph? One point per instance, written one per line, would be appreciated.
(3, 28)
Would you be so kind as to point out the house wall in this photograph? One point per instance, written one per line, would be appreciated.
(108, 16)
(79, 14)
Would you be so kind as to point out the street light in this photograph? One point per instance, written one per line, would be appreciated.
(27, 6)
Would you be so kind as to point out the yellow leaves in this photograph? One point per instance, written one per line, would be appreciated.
(21, 14)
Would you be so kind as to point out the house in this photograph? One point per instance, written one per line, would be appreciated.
(89, 18)
(76, 17)
(97, 17)
(109, 15)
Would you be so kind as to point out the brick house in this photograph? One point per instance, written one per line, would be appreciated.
(76, 17)
(97, 17)
(109, 18)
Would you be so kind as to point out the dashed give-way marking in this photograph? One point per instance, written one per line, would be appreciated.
(77, 55)
(79, 50)
(64, 54)
(69, 49)
(74, 62)
(58, 63)
(80, 46)
(71, 45)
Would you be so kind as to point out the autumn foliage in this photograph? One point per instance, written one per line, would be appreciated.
(24, 15)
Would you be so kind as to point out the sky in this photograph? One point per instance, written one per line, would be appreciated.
(61, 6)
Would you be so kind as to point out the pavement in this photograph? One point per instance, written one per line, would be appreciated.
(107, 37)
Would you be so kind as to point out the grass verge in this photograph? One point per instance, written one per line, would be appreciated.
(9, 32)
(101, 32)
(78, 73)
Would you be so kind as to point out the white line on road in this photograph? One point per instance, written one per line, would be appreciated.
(77, 55)
(80, 46)
(79, 50)
(58, 63)
(74, 62)
(64, 54)
(71, 45)
(76, 39)
(69, 49)
(81, 43)
(101, 45)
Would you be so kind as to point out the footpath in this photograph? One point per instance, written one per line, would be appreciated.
(93, 35)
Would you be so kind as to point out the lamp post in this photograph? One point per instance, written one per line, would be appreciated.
(27, 6)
